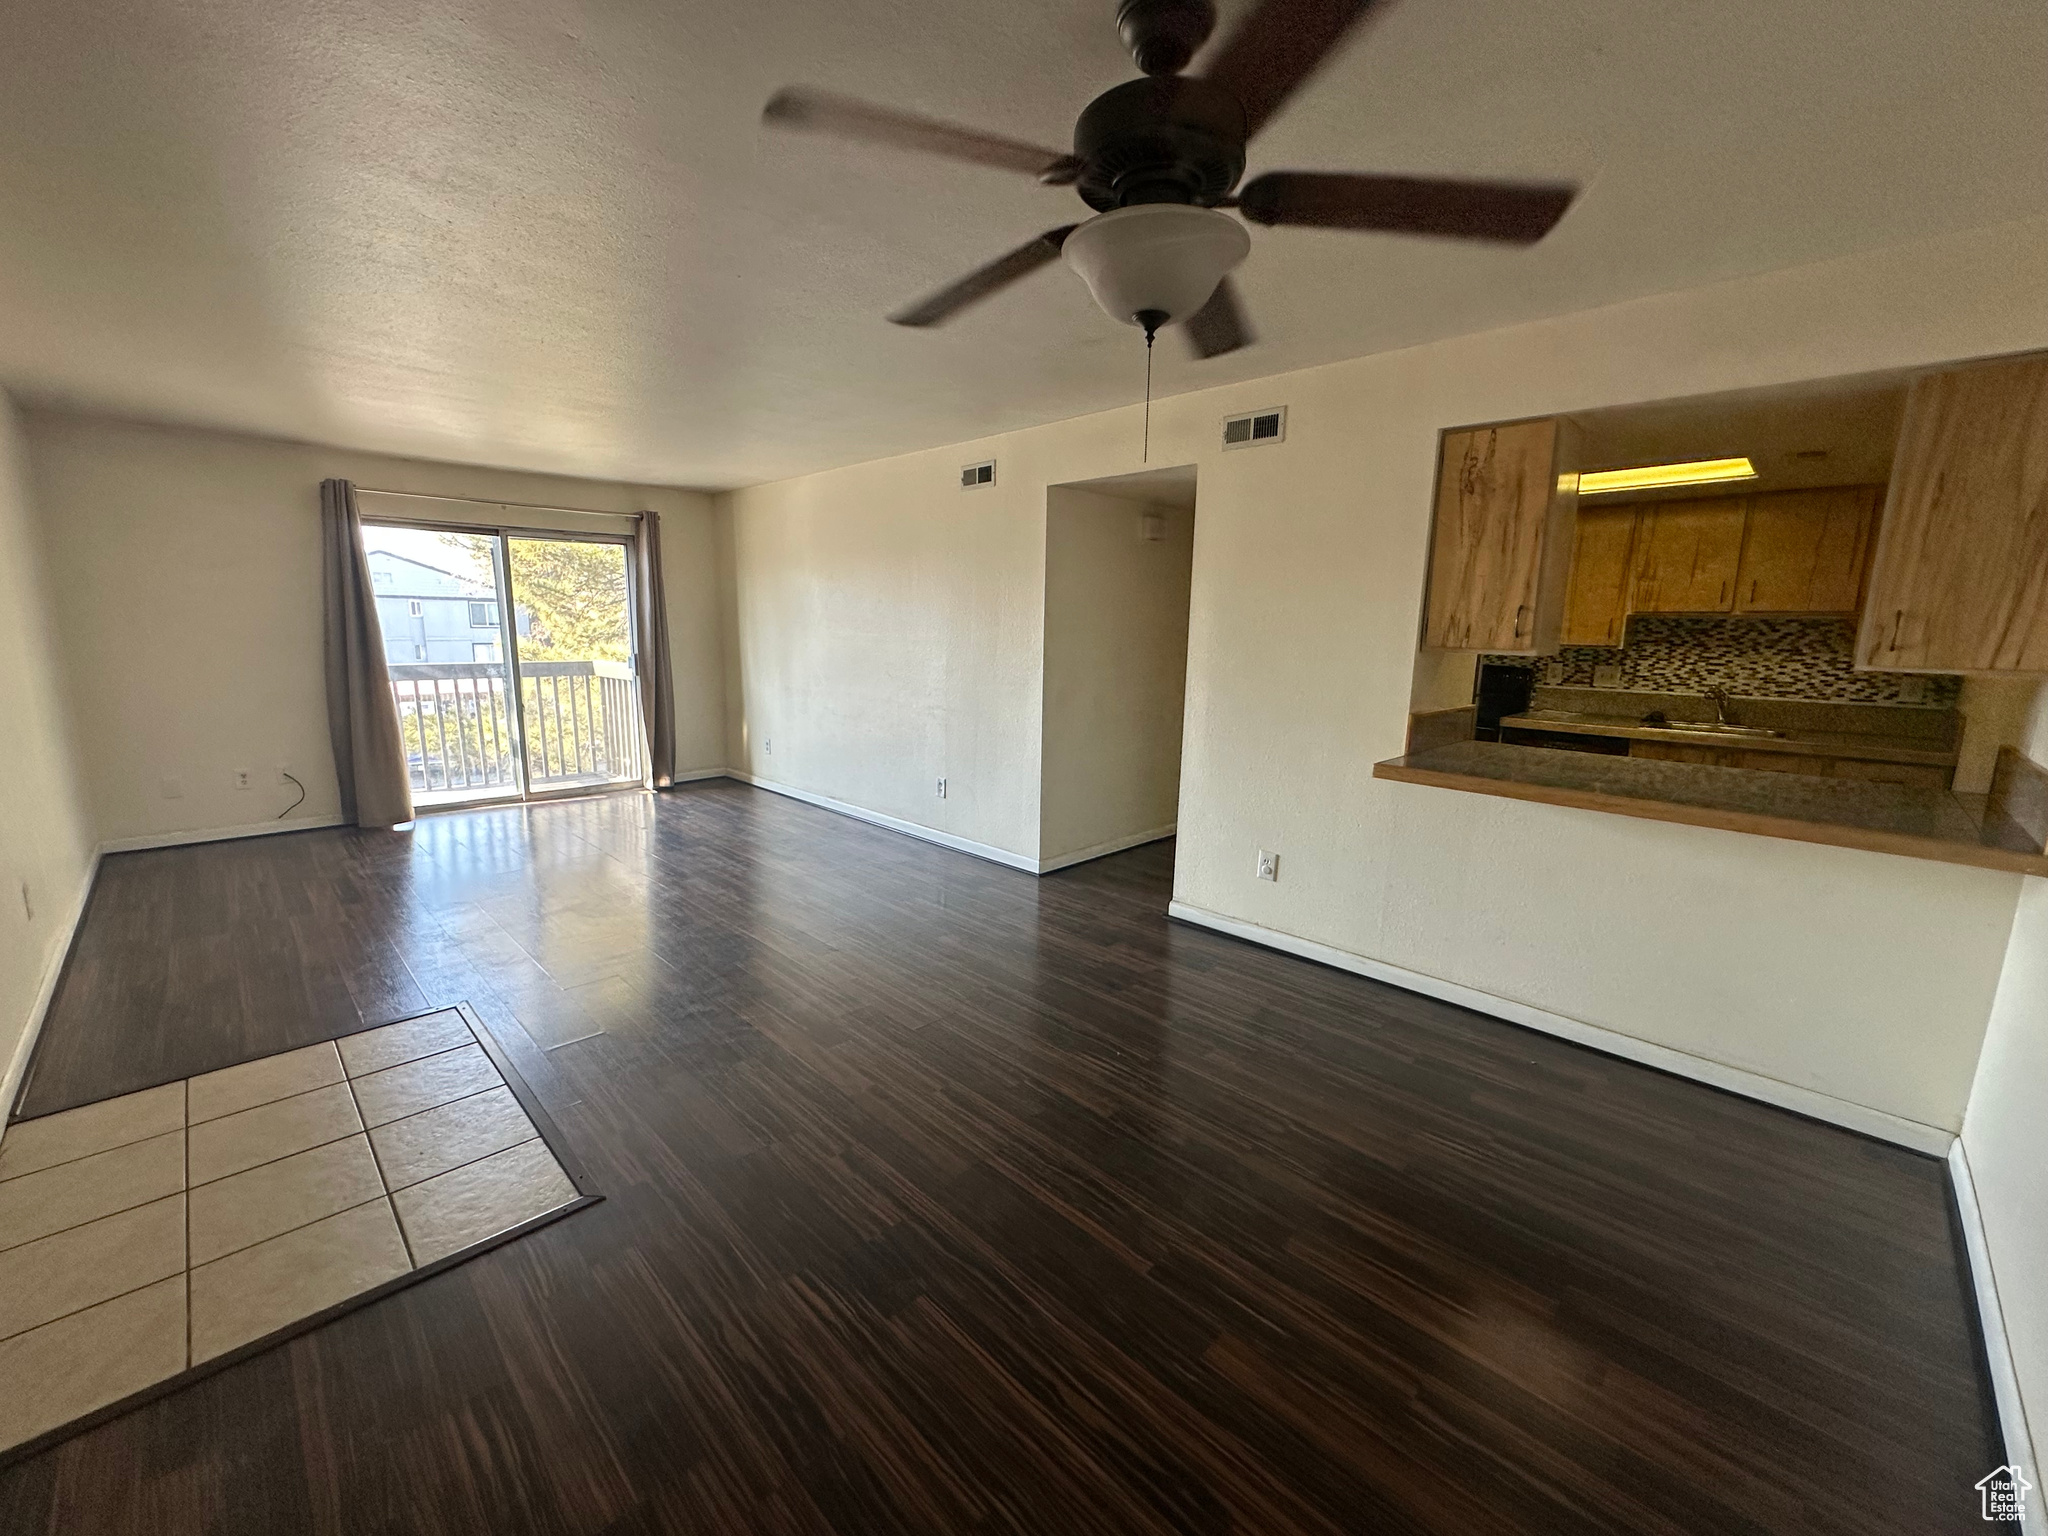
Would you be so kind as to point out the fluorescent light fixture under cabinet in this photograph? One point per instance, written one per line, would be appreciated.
(1654, 477)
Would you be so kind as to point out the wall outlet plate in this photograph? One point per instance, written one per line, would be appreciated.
(942, 789)
(1912, 690)
(768, 745)
(1607, 676)
(241, 778)
(1269, 865)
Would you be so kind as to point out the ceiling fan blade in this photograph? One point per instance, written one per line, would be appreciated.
(1219, 326)
(937, 308)
(843, 117)
(1511, 212)
(1278, 46)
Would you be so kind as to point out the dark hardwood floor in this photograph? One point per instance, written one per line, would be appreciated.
(941, 1198)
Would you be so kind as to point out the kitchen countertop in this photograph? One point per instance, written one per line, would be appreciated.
(1876, 749)
(1846, 813)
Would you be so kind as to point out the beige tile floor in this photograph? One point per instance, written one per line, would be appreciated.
(149, 1233)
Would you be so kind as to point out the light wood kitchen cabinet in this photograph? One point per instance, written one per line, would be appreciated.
(1687, 556)
(1805, 551)
(1960, 578)
(1501, 547)
(1596, 603)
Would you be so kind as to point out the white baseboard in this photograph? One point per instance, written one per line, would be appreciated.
(692, 775)
(1753, 1085)
(947, 839)
(1103, 850)
(39, 1010)
(2005, 1382)
(216, 834)
(893, 823)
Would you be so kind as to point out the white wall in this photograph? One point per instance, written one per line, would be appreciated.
(2005, 1136)
(45, 839)
(1116, 659)
(185, 582)
(888, 628)
(886, 633)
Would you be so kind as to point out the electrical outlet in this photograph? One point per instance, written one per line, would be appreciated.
(768, 745)
(1912, 690)
(1269, 865)
(1607, 677)
(942, 789)
(172, 789)
(241, 778)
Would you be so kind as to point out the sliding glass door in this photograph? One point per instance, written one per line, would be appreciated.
(511, 661)
(578, 692)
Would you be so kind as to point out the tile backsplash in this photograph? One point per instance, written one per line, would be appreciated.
(1758, 658)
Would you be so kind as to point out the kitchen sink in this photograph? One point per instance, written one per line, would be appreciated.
(1708, 728)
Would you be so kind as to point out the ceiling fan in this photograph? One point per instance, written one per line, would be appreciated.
(1158, 157)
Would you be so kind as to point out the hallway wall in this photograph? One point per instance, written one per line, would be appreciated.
(46, 842)
(2005, 1137)
(1116, 661)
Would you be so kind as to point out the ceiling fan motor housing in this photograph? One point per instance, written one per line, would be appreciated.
(1162, 35)
(1163, 139)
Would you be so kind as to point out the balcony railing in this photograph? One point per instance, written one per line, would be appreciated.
(582, 726)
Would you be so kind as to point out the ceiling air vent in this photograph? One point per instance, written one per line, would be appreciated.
(1256, 429)
(972, 475)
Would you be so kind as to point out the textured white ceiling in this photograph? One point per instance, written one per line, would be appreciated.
(552, 235)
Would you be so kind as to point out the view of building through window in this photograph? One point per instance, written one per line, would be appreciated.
(471, 689)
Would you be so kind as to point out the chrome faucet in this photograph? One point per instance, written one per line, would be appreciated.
(1719, 695)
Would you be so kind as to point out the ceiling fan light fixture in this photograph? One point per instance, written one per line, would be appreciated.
(1156, 258)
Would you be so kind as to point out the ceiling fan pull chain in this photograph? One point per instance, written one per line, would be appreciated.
(1145, 457)
(1151, 320)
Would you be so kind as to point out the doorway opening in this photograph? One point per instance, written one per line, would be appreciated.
(511, 660)
(1119, 563)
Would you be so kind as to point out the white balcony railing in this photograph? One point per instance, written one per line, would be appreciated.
(582, 726)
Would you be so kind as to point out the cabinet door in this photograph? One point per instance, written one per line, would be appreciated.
(1804, 551)
(1596, 606)
(1960, 582)
(1687, 554)
(1501, 545)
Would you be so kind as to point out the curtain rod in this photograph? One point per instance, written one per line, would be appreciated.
(480, 501)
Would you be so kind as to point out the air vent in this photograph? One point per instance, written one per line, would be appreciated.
(1257, 429)
(973, 475)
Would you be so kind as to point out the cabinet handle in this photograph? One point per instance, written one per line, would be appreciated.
(1752, 591)
(1724, 593)
(1524, 608)
(1898, 623)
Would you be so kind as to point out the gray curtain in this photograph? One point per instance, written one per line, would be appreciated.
(362, 716)
(650, 645)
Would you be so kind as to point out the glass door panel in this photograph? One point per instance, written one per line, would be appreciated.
(440, 603)
(579, 691)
